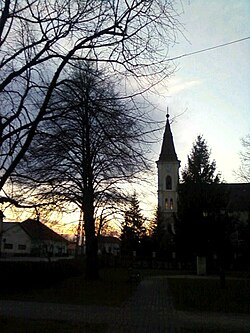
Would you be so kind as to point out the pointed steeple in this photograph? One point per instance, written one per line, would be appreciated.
(168, 153)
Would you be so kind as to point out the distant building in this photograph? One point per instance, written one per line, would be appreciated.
(238, 208)
(31, 238)
(238, 203)
(109, 245)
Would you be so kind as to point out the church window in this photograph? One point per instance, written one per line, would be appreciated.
(168, 183)
(171, 203)
(166, 203)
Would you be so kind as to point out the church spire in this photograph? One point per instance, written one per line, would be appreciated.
(168, 153)
(168, 179)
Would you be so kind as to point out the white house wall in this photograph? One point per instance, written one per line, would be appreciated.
(15, 241)
(47, 247)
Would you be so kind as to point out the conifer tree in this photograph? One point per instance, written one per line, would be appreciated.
(162, 241)
(198, 189)
(200, 169)
(200, 201)
(133, 228)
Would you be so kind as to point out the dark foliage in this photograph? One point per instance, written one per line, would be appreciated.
(163, 242)
(20, 276)
(133, 229)
(200, 203)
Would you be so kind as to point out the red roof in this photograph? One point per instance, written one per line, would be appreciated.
(38, 231)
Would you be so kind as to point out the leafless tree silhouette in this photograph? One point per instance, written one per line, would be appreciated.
(94, 146)
(244, 170)
(39, 39)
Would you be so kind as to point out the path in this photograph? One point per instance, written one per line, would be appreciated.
(150, 310)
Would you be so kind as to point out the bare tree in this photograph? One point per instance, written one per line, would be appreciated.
(39, 39)
(244, 170)
(88, 153)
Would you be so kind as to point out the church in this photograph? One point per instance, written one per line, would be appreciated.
(237, 204)
(168, 179)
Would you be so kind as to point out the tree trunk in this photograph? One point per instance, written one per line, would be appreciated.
(92, 268)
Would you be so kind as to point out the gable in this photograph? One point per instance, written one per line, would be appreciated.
(7, 225)
(12, 232)
(39, 231)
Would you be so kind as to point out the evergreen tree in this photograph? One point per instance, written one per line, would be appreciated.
(133, 229)
(162, 241)
(199, 190)
(200, 201)
(200, 169)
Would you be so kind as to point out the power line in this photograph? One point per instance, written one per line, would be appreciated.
(209, 48)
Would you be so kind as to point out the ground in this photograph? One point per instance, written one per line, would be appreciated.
(149, 308)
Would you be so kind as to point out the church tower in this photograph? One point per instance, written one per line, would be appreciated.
(168, 178)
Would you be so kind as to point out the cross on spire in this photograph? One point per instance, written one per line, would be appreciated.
(167, 113)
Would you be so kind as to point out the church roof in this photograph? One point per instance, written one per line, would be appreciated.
(239, 196)
(168, 153)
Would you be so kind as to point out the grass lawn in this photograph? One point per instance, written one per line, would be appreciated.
(201, 294)
(111, 290)
(18, 325)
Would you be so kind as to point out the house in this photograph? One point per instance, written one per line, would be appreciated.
(109, 245)
(31, 238)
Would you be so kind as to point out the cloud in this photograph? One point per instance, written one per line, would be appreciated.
(176, 86)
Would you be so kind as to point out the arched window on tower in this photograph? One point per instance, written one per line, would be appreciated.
(171, 204)
(168, 183)
(166, 203)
